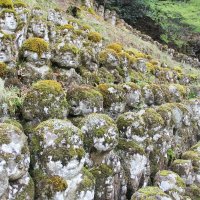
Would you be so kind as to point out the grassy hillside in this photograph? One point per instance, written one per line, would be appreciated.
(176, 18)
(173, 22)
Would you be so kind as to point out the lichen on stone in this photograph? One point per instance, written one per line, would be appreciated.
(66, 26)
(103, 56)
(102, 171)
(149, 193)
(112, 93)
(152, 118)
(45, 99)
(130, 146)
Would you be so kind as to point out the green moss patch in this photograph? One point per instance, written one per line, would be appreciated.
(19, 3)
(102, 171)
(130, 146)
(149, 193)
(94, 37)
(48, 86)
(6, 4)
(152, 118)
(116, 47)
(37, 45)
(70, 48)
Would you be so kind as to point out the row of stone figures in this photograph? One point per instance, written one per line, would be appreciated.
(37, 60)
(36, 48)
(80, 100)
(94, 157)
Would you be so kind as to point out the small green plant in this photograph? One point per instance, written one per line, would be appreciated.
(10, 99)
(192, 95)
(171, 156)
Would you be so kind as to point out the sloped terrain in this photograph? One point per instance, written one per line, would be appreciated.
(172, 22)
(90, 110)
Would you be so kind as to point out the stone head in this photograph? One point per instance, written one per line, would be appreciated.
(8, 21)
(63, 154)
(37, 12)
(100, 132)
(66, 56)
(38, 28)
(5, 52)
(19, 7)
(35, 51)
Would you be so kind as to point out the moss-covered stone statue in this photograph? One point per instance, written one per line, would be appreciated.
(46, 99)
(58, 158)
(35, 55)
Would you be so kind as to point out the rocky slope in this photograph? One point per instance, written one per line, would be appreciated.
(91, 110)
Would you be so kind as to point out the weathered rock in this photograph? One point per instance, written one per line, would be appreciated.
(58, 154)
(184, 169)
(38, 28)
(35, 54)
(170, 183)
(114, 98)
(55, 16)
(84, 100)
(109, 59)
(8, 21)
(153, 193)
(133, 96)
(22, 188)
(7, 54)
(4, 180)
(66, 56)
(100, 132)
(135, 163)
(14, 151)
(46, 99)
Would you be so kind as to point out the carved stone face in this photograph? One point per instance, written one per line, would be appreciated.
(19, 10)
(56, 17)
(37, 12)
(9, 23)
(4, 56)
(35, 59)
(93, 125)
(51, 15)
(148, 96)
(39, 29)
(67, 165)
(5, 50)
(65, 59)
(112, 61)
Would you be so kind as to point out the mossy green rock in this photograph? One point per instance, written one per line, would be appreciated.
(14, 150)
(84, 100)
(55, 145)
(22, 188)
(46, 99)
(100, 132)
(150, 193)
(36, 45)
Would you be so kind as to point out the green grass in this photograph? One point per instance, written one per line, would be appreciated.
(188, 13)
(177, 19)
